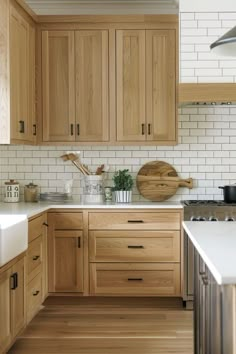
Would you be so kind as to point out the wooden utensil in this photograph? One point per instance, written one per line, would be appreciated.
(100, 169)
(158, 181)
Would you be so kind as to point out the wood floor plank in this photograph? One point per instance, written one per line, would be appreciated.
(108, 326)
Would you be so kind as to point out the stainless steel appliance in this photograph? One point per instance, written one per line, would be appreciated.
(201, 210)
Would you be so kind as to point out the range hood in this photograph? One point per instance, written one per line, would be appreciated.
(225, 45)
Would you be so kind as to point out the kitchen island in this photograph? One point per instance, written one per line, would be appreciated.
(214, 286)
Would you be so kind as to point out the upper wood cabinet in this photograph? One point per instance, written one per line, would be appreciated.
(146, 85)
(22, 78)
(130, 78)
(75, 85)
(58, 86)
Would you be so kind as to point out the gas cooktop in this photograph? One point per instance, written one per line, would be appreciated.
(206, 203)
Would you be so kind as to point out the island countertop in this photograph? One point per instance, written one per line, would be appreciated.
(32, 209)
(216, 244)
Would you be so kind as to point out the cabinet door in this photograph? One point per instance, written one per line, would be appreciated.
(18, 298)
(91, 60)
(161, 85)
(5, 310)
(32, 98)
(19, 76)
(58, 85)
(130, 80)
(65, 261)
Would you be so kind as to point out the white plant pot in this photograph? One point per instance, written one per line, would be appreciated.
(123, 196)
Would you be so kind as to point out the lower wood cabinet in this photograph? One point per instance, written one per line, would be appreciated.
(135, 253)
(37, 280)
(135, 279)
(65, 246)
(12, 301)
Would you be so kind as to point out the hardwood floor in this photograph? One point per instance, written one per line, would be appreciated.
(108, 326)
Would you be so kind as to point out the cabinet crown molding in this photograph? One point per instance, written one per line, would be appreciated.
(103, 7)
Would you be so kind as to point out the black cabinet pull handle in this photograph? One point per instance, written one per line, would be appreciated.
(136, 247)
(135, 279)
(78, 129)
(22, 126)
(36, 293)
(72, 129)
(149, 129)
(14, 281)
(34, 129)
(136, 221)
(35, 258)
(45, 224)
(79, 244)
(143, 129)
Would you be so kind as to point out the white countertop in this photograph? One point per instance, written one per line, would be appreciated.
(216, 244)
(32, 209)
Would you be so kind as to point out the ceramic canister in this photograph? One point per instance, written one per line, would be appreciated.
(12, 191)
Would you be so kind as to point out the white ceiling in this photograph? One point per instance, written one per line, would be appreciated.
(77, 7)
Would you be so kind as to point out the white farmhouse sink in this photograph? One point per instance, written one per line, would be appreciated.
(13, 236)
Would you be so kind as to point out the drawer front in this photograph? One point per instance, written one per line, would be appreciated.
(68, 221)
(135, 279)
(35, 228)
(34, 296)
(134, 246)
(135, 221)
(34, 257)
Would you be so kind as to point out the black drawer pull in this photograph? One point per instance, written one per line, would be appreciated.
(36, 293)
(136, 221)
(34, 129)
(45, 224)
(79, 244)
(35, 258)
(136, 247)
(72, 129)
(14, 281)
(135, 279)
(22, 126)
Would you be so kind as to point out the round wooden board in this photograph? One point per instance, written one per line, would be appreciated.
(157, 181)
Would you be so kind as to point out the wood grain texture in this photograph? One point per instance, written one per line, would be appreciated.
(18, 298)
(137, 279)
(130, 79)
(35, 228)
(215, 92)
(34, 296)
(134, 246)
(158, 181)
(161, 85)
(4, 73)
(134, 221)
(108, 325)
(67, 221)
(19, 75)
(5, 310)
(34, 258)
(92, 86)
(58, 85)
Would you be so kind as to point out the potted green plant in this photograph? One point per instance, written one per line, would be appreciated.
(123, 184)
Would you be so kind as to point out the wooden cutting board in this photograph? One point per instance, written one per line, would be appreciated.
(158, 181)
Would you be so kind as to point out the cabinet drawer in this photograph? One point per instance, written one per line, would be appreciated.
(35, 227)
(134, 221)
(34, 258)
(134, 246)
(34, 296)
(68, 221)
(135, 279)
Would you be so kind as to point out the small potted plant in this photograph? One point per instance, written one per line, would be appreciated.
(123, 184)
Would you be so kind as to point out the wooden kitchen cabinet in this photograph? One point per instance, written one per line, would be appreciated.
(75, 85)
(22, 77)
(37, 268)
(12, 301)
(135, 252)
(146, 85)
(58, 85)
(65, 252)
